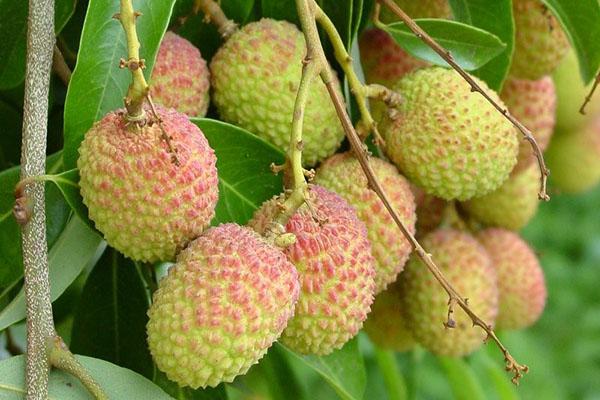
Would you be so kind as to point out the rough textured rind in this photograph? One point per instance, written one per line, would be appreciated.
(533, 103)
(521, 285)
(418, 9)
(342, 174)
(336, 269)
(180, 78)
(513, 204)
(147, 207)
(448, 140)
(570, 92)
(222, 305)
(255, 77)
(386, 324)
(540, 43)
(468, 268)
(574, 158)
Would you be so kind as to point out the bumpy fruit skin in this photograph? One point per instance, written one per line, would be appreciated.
(255, 77)
(383, 60)
(180, 78)
(386, 324)
(342, 174)
(147, 207)
(336, 269)
(574, 158)
(512, 205)
(533, 103)
(570, 92)
(467, 266)
(222, 305)
(418, 9)
(521, 285)
(448, 140)
(540, 43)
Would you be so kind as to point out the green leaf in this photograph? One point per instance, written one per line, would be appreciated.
(117, 382)
(186, 393)
(344, 369)
(10, 139)
(67, 183)
(13, 31)
(77, 247)
(57, 213)
(341, 14)
(471, 47)
(98, 85)
(581, 22)
(494, 17)
(110, 322)
(462, 379)
(243, 163)
(280, 9)
(392, 376)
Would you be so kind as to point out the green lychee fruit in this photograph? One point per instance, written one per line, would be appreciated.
(333, 256)
(418, 9)
(255, 77)
(468, 268)
(448, 140)
(221, 306)
(533, 103)
(574, 158)
(146, 205)
(512, 205)
(180, 78)
(570, 92)
(343, 174)
(386, 324)
(430, 211)
(540, 43)
(521, 285)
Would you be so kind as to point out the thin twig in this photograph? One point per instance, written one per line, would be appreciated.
(588, 98)
(164, 135)
(213, 13)
(445, 54)
(307, 10)
(60, 66)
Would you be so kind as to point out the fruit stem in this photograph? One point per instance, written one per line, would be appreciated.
(138, 89)
(60, 66)
(309, 27)
(214, 13)
(588, 98)
(360, 91)
(447, 56)
(392, 376)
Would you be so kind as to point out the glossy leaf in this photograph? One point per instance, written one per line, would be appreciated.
(496, 18)
(77, 247)
(67, 183)
(344, 369)
(580, 21)
(98, 85)
(471, 47)
(243, 163)
(118, 382)
(13, 31)
(57, 213)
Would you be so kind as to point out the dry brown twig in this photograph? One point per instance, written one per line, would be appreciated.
(588, 98)
(447, 56)
(309, 13)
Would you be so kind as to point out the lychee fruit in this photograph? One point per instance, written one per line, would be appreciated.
(180, 78)
(533, 103)
(570, 92)
(418, 9)
(147, 206)
(430, 211)
(221, 306)
(343, 174)
(540, 43)
(574, 158)
(386, 324)
(333, 256)
(521, 286)
(255, 77)
(447, 139)
(512, 205)
(468, 268)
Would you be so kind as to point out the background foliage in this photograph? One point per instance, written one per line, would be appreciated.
(100, 298)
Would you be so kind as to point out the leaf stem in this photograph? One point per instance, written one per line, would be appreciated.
(392, 376)
(589, 96)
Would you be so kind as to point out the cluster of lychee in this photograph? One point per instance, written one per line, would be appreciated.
(232, 292)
